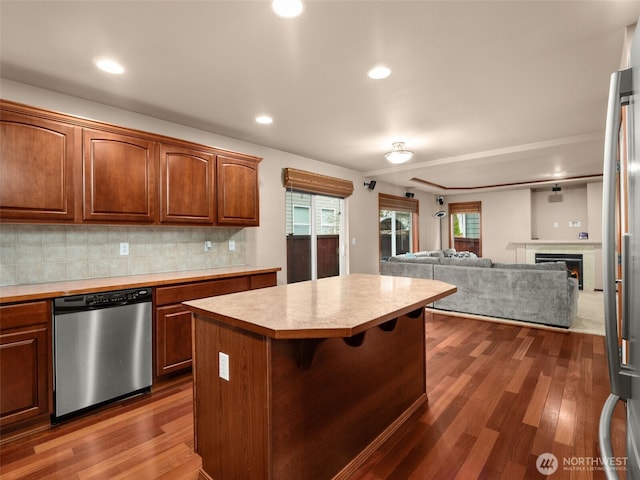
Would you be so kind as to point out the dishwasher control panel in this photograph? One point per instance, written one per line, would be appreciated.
(101, 300)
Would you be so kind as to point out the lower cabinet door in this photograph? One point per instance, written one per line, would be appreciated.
(24, 376)
(173, 339)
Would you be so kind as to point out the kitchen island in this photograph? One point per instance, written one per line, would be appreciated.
(306, 380)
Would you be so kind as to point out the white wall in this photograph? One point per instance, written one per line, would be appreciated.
(594, 209)
(553, 212)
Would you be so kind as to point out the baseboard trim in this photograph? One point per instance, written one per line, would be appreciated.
(370, 449)
(497, 320)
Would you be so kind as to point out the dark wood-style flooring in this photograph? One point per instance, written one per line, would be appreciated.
(499, 396)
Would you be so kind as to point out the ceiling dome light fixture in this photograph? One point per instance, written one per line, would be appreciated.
(287, 8)
(398, 154)
(109, 66)
(378, 73)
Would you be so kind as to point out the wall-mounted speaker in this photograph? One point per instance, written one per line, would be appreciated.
(370, 185)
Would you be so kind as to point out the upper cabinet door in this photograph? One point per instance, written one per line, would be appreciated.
(36, 168)
(238, 199)
(120, 178)
(186, 185)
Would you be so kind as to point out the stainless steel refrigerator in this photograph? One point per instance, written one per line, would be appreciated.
(621, 263)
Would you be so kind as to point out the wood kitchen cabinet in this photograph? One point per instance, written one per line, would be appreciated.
(173, 345)
(187, 192)
(238, 199)
(37, 167)
(61, 168)
(119, 177)
(25, 365)
(173, 339)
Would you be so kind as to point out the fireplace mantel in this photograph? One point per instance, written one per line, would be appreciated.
(591, 251)
(592, 243)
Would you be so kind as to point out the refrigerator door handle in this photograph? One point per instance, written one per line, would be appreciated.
(626, 294)
(604, 432)
(620, 383)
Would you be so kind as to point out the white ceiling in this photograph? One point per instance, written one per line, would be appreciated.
(484, 92)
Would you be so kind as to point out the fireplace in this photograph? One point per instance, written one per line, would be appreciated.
(573, 261)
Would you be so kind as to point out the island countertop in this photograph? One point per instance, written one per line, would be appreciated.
(340, 306)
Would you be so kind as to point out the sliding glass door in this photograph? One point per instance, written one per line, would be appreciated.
(314, 236)
(398, 225)
(395, 233)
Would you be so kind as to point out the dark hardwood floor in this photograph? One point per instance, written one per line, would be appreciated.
(499, 396)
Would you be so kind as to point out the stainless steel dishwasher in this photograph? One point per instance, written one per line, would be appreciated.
(101, 349)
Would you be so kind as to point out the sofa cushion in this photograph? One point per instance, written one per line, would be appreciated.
(467, 262)
(546, 266)
(414, 259)
(407, 269)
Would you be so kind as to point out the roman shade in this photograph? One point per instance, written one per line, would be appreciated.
(401, 204)
(310, 182)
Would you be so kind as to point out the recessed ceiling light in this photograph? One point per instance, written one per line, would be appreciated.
(379, 72)
(109, 66)
(264, 119)
(287, 8)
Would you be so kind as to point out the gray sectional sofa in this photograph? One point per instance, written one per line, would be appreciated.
(539, 293)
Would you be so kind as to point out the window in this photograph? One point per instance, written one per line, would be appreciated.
(328, 221)
(465, 228)
(301, 220)
(398, 225)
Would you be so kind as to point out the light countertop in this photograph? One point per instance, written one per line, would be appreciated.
(40, 291)
(331, 307)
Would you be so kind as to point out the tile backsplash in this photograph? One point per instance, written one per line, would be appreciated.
(50, 253)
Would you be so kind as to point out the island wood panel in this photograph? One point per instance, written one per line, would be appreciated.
(277, 418)
(323, 417)
(231, 419)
